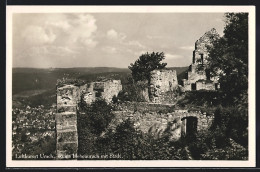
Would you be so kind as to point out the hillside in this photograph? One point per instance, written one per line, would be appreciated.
(37, 86)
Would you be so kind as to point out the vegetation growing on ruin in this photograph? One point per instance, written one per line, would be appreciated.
(146, 63)
(219, 142)
(92, 121)
(228, 58)
(131, 144)
(228, 136)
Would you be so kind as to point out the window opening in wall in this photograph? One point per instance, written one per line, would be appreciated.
(193, 86)
(98, 94)
(208, 74)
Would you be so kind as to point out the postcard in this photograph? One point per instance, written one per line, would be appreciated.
(130, 86)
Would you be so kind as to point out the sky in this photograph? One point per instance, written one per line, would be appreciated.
(62, 40)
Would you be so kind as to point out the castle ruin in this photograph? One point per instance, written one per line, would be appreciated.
(68, 97)
(105, 89)
(198, 78)
(161, 82)
(179, 123)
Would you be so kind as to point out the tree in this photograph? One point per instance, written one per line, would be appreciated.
(97, 116)
(92, 121)
(145, 64)
(228, 56)
(228, 59)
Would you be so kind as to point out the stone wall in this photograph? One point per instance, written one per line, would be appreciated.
(145, 107)
(205, 85)
(200, 54)
(162, 81)
(111, 88)
(68, 97)
(175, 123)
(88, 93)
(104, 89)
(152, 118)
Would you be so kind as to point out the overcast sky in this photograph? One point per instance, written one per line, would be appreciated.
(110, 40)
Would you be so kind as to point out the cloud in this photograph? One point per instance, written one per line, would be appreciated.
(136, 43)
(153, 37)
(89, 42)
(84, 27)
(47, 55)
(172, 56)
(64, 25)
(112, 34)
(139, 53)
(36, 35)
(109, 49)
(187, 47)
(62, 29)
(49, 50)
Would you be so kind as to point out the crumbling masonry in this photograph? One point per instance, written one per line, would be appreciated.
(161, 82)
(161, 87)
(197, 77)
(68, 97)
(179, 123)
(105, 89)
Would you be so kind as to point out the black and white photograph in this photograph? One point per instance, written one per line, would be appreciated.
(131, 86)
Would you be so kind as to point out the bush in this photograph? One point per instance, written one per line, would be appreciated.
(92, 121)
(133, 91)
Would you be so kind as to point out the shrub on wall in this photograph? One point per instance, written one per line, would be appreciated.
(92, 121)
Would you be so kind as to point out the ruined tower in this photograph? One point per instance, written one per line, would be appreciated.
(68, 97)
(197, 77)
(161, 82)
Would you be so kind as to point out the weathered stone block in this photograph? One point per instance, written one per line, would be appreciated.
(63, 128)
(63, 137)
(66, 119)
(68, 149)
(65, 108)
(162, 81)
(68, 95)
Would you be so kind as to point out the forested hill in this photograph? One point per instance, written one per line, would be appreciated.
(76, 69)
(26, 79)
(84, 70)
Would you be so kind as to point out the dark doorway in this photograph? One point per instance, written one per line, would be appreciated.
(207, 74)
(193, 86)
(216, 86)
(189, 126)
